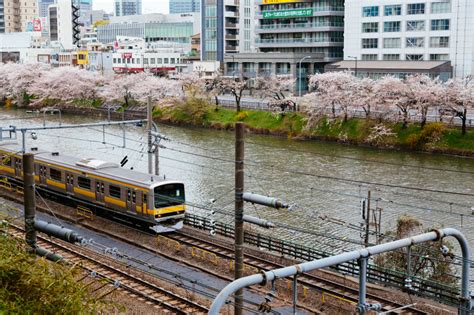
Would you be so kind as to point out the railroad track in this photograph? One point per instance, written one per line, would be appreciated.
(164, 300)
(309, 280)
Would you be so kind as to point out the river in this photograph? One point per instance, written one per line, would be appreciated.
(324, 182)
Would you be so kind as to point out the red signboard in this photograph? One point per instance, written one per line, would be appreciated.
(127, 55)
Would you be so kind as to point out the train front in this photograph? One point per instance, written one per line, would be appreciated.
(169, 204)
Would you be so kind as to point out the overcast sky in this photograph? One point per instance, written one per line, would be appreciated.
(149, 6)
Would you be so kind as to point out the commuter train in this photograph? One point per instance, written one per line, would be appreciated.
(140, 198)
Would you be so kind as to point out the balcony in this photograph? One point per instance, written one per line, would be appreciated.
(317, 11)
(230, 48)
(231, 37)
(300, 27)
(231, 25)
(299, 42)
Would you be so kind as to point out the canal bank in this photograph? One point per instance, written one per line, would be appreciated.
(434, 138)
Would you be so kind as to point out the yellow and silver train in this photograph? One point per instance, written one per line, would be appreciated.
(140, 197)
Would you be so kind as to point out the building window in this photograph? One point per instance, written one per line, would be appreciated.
(114, 191)
(441, 7)
(439, 42)
(158, 61)
(438, 57)
(391, 10)
(145, 61)
(115, 60)
(415, 42)
(368, 43)
(372, 27)
(392, 43)
(152, 61)
(415, 26)
(391, 26)
(416, 8)
(370, 11)
(369, 57)
(440, 25)
(414, 57)
(391, 57)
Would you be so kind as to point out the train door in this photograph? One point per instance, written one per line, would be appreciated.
(42, 174)
(18, 167)
(99, 190)
(69, 182)
(131, 197)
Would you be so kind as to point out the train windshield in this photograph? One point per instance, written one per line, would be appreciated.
(169, 195)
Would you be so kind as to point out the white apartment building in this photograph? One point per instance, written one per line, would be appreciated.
(164, 61)
(60, 24)
(411, 30)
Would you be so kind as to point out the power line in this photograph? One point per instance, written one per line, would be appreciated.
(363, 160)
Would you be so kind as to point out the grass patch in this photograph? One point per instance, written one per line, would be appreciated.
(434, 137)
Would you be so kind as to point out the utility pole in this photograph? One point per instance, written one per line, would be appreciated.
(29, 199)
(239, 213)
(367, 221)
(149, 125)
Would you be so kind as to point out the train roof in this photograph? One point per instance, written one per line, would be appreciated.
(92, 166)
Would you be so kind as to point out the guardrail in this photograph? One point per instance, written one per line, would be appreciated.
(422, 287)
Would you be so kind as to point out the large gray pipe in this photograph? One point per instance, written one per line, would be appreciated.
(267, 276)
(264, 200)
(58, 231)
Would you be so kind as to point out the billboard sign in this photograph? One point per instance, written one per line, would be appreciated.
(281, 1)
(127, 55)
(282, 14)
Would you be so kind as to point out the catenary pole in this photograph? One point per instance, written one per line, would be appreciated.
(239, 209)
(29, 199)
(367, 221)
(149, 126)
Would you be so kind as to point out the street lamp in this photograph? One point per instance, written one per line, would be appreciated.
(299, 78)
(355, 59)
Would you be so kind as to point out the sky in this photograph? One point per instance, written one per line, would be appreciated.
(149, 6)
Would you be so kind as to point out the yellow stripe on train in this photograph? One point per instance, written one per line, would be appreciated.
(171, 209)
(55, 184)
(84, 192)
(115, 201)
(7, 169)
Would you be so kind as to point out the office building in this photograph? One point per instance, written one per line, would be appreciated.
(17, 16)
(127, 7)
(155, 27)
(43, 7)
(409, 30)
(228, 26)
(61, 24)
(85, 11)
(184, 6)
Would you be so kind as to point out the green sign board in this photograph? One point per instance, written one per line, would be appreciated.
(287, 14)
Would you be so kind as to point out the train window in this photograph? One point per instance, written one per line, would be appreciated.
(169, 195)
(18, 163)
(128, 195)
(134, 197)
(5, 160)
(102, 187)
(114, 191)
(55, 174)
(84, 182)
(97, 188)
(145, 199)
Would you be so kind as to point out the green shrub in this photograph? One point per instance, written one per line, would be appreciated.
(31, 285)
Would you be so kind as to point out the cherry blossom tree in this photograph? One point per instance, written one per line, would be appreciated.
(66, 84)
(460, 97)
(123, 87)
(364, 96)
(236, 87)
(335, 90)
(157, 89)
(278, 90)
(393, 92)
(192, 84)
(17, 80)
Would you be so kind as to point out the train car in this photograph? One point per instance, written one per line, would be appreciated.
(139, 197)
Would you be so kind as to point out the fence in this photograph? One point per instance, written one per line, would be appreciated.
(393, 278)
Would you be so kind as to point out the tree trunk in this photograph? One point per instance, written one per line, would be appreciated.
(367, 111)
(464, 118)
(405, 119)
(237, 103)
(333, 111)
(216, 98)
(424, 112)
(345, 115)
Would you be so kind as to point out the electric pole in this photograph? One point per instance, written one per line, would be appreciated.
(29, 199)
(239, 212)
(367, 221)
(149, 125)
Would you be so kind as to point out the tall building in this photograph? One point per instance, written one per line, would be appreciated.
(127, 7)
(43, 7)
(60, 18)
(16, 16)
(184, 6)
(228, 26)
(85, 11)
(312, 27)
(410, 30)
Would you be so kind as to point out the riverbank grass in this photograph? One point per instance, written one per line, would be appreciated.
(434, 137)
